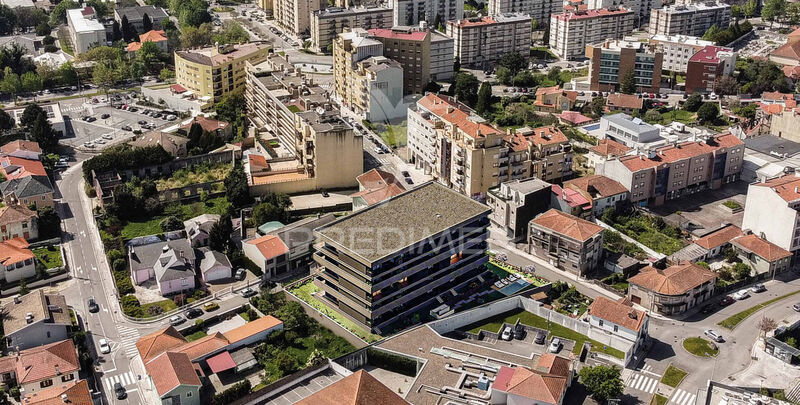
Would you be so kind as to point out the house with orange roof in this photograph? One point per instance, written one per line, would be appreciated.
(38, 368)
(771, 211)
(359, 388)
(219, 128)
(175, 379)
(674, 290)
(566, 241)
(17, 261)
(71, 392)
(157, 37)
(375, 186)
(674, 171)
(763, 256)
(714, 242)
(619, 318)
(788, 54)
(18, 220)
(269, 253)
(627, 103)
(545, 384)
(14, 167)
(604, 150)
(22, 149)
(601, 191)
(554, 99)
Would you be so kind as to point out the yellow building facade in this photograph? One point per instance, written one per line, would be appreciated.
(211, 73)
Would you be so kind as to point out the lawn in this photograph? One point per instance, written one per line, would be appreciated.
(134, 229)
(699, 347)
(735, 319)
(681, 116)
(166, 305)
(395, 135)
(50, 256)
(658, 400)
(294, 108)
(503, 270)
(304, 292)
(244, 316)
(152, 226)
(194, 175)
(673, 376)
(732, 205)
(224, 9)
(652, 232)
(494, 323)
(197, 335)
(542, 52)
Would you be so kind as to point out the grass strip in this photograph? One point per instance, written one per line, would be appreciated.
(735, 319)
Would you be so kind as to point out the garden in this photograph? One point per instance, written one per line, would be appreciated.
(49, 256)
(651, 231)
(700, 347)
(614, 242)
(203, 173)
(673, 376)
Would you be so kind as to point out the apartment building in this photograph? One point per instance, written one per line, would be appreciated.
(85, 31)
(515, 203)
(612, 60)
(479, 41)
(641, 8)
(630, 132)
(213, 72)
(570, 32)
(676, 50)
(567, 242)
(366, 82)
(545, 150)
(425, 54)
(693, 20)
(674, 171)
(295, 15)
(674, 290)
(412, 12)
(707, 66)
(771, 212)
(135, 16)
(539, 10)
(326, 24)
(436, 248)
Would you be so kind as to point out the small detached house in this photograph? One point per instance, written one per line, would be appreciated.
(17, 262)
(39, 368)
(22, 149)
(619, 318)
(198, 228)
(170, 264)
(36, 319)
(214, 265)
(269, 253)
(545, 384)
(18, 220)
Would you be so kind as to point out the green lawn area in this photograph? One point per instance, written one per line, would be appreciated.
(224, 9)
(542, 52)
(659, 400)
(493, 325)
(50, 256)
(194, 336)
(503, 270)
(194, 175)
(735, 319)
(673, 376)
(304, 292)
(732, 204)
(166, 305)
(135, 229)
(682, 116)
(395, 135)
(652, 232)
(293, 108)
(152, 226)
(244, 316)
(699, 347)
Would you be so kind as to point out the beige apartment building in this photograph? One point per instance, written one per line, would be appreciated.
(479, 41)
(567, 242)
(677, 50)
(295, 15)
(412, 12)
(328, 23)
(211, 73)
(693, 20)
(546, 149)
(425, 54)
(348, 49)
(538, 10)
(570, 32)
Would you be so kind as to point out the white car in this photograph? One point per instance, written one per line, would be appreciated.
(108, 136)
(506, 335)
(711, 333)
(104, 347)
(741, 294)
(555, 345)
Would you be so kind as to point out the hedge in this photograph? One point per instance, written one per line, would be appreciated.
(233, 393)
(392, 362)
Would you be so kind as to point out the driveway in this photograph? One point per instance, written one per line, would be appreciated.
(703, 210)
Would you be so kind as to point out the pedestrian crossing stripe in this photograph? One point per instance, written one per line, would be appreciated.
(644, 383)
(681, 397)
(125, 380)
(128, 338)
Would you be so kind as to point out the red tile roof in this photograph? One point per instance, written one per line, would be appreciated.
(761, 247)
(152, 345)
(620, 100)
(252, 328)
(14, 251)
(573, 198)
(208, 124)
(788, 51)
(620, 312)
(610, 147)
(16, 167)
(549, 363)
(787, 187)
(47, 361)
(574, 117)
(77, 393)
(257, 160)
(28, 146)
(378, 186)
(543, 135)
(681, 151)
(474, 22)
(596, 186)
(178, 88)
(153, 36)
(719, 237)
(221, 362)
(521, 381)
(204, 346)
(269, 245)
(460, 115)
(709, 54)
(359, 388)
(170, 370)
(674, 280)
(567, 225)
(792, 72)
(394, 34)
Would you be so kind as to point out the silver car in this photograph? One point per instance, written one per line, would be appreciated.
(713, 335)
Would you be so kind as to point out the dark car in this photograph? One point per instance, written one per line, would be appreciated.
(194, 313)
(540, 338)
(120, 391)
(125, 128)
(104, 116)
(325, 194)
(728, 300)
(707, 309)
(519, 332)
(92, 304)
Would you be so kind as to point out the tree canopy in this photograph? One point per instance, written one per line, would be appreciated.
(466, 88)
(59, 14)
(604, 382)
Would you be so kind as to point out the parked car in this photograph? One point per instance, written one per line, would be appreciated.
(555, 345)
(540, 337)
(506, 335)
(104, 347)
(92, 305)
(175, 320)
(126, 128)
(713, 335)
(194, 313)
(741, 294)
(211, 306)
(728, 300)
(707, 309)
(108, 136)
(142, 122)
(119, 390)
(409, 181)
(519, 332)
(405, 173)
(240, 274)
(758, 288)
(104, 116)
(247, 292)
(796, 307)
(325, 194)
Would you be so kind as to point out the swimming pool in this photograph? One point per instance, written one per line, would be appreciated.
(514, 287)
(592, 127)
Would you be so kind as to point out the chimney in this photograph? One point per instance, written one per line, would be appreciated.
(64, 398)
(29, 317)
(58, 372)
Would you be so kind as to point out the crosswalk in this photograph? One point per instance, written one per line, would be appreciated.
(641, 382)
(681, 397)
(126, 379)
(128, 337)
(72, 108)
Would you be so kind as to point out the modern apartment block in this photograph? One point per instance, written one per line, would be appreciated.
(515, 203)
(570, 32)
(612, 60)
(676, 50)
(328, 23)
(707, 66)
(393, 259)
(538, 10)
(629, 131)
(216, 71)
(412, 12)
(546, 149)
(693, 20)
(479, 41)
(84, 29)
(425, 54)
(771, 212)
(674, 171)
(295, 15)
(641, 8)
(567, 242)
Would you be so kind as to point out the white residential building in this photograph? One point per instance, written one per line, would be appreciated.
(620, 319)
(411, 12)
(677, 50)
(328, 23)
(631, 132)
(693, 19)
(570, 32)
(771, 211)
(539, 10)
(641, 8)
(487, 39)
(84, 29)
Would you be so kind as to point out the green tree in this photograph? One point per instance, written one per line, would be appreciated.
(741, 271)
(749, 8)
(116, 32)
(652, 116)
(150, 56)
(236, 187)
(708, 112)
(69, 75)
(128, 30)
(265, 212)
(773, 10)
(23, 287)
(105, 76)
(693, 103)
(484, 102)
(791, 342)
(219, 237)
(147, 23)
(604, 382)
(466, 88)
(171, 223)
(59, 14)
(31, 82)
(232, 33)
(42, 132)
(503, 75)
(8, 20)
(192, 37)
(43, 28)
(514, 62)
(598, 106)
(456, 64)
(166, 74)
(29, 116)
(11, 83)
(627, 83)
(6, 120)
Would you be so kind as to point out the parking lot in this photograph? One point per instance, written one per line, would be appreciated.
(703, 212)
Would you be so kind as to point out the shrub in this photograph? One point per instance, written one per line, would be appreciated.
(392, 362)
(233, 393)
(131, 307)
(198, 294)
(119, 265)
(198, 322)
(123, 282)
(171, 223)
(179, 299)
(154, 310)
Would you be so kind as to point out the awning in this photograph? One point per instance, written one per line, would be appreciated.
(178, 88)
(221, 362)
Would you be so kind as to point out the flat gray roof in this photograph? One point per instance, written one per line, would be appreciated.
(392, 225)
(626, 121)
(767, 144)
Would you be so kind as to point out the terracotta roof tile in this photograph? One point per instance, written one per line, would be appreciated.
(617, 312)
(763, 248)
(12, 214)
(208, 124)
(549, 363)
(14, 146)
(541, 388)
(674, 280)
(787, 187)
(719, 237)
(204, 346)
(77, 393)
(620, 100)
(359, 388)
(681, 151)
(153, 36)
(460, 115)
(152, 345)
(377, 186)
(596, 186)
(170, 370)
(269, 245)
(15, 167)
(568, 225)
(788, 51)
(251, 328)
(14, 251)
(610, 147)
(574, 117)
(47, 361)
(543, 135)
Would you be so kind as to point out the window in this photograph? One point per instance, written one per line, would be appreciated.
(189, 394)
(601, 322)
(46, 383)
(65, 378)
(616, 328)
